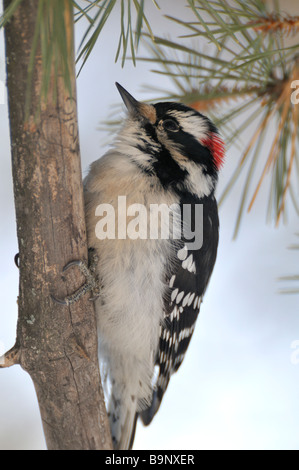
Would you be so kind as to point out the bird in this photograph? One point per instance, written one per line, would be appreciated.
(153, 229)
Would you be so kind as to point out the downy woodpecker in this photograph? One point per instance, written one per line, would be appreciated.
(153, 268)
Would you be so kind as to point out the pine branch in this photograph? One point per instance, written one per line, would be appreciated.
(284, 24)
(252, 74)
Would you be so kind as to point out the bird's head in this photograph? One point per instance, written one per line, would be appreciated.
(176, 143)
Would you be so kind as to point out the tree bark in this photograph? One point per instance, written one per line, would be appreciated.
(56, 345)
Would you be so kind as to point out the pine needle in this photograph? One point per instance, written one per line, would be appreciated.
(292, 157)
(285, 24)
(253, 62)
(274, 149)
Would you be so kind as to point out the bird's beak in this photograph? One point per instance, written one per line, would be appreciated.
(136, 108)
(130, 102)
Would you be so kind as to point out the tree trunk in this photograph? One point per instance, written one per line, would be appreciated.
(56, 345)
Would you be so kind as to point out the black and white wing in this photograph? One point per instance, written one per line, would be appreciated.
(187, 284)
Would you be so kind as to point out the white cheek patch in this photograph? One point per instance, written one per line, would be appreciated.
(198, 183)
(192, 124)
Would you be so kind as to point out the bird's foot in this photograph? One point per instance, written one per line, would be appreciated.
(91, 283)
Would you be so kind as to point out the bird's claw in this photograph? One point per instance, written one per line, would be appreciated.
(91, 283)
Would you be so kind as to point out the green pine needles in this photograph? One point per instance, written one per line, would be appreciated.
(242, 75)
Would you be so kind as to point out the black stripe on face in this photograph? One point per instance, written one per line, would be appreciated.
(192, 149)
(186, 143)
(165, 167)
(167, 170)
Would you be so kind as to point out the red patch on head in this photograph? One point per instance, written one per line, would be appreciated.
(217, 148)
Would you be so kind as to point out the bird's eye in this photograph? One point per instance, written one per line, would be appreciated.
(170, 125)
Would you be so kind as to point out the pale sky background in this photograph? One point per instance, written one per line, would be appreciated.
(238, 387)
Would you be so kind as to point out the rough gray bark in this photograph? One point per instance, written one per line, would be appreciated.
(56, 345)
